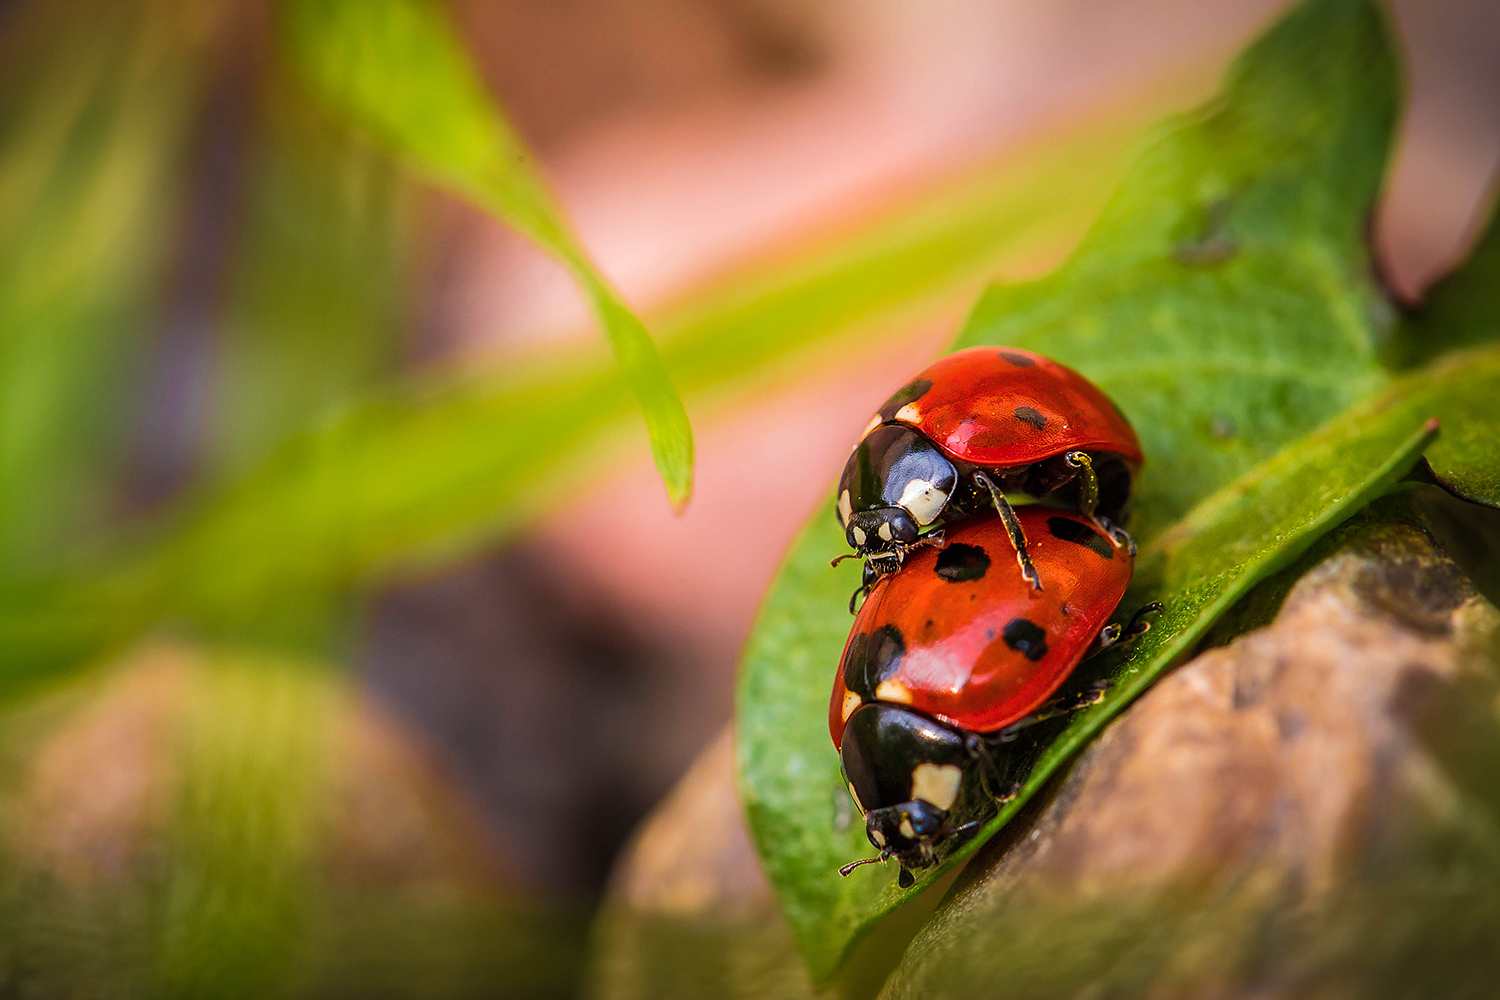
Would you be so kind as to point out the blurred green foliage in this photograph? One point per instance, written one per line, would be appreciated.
(399, 67)
(324, 468)
(210, 427)
(96, 110)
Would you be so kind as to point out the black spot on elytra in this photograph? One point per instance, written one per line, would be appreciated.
(1070, 530)
(960, 563)
(1027, 415)
(1017, 359)
(911, 391)
(1026, 638)
(872, 658)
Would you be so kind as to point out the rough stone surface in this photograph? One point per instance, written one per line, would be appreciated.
(192, 822)
(1268, 820)
(689, 911)
(1256, 803)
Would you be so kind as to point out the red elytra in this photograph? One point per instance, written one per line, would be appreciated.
(958, 634)
(999, 407)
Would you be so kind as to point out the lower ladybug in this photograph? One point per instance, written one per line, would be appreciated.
(955, 654)
(971, 428)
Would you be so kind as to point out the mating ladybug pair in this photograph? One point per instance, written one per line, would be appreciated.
(985, 498)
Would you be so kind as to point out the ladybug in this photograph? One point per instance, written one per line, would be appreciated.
(953, 656)
(971, 428)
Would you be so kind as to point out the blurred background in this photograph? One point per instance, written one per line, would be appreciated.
(347, 630)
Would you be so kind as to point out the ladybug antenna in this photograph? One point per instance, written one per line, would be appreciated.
(846, 555)
(844, 871)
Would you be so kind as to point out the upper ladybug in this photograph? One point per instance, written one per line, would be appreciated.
(971, 428)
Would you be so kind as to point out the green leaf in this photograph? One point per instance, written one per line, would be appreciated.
(398, 68)
(1466, 459)
(1463, 310)
(1460, 310)
(1224, 300)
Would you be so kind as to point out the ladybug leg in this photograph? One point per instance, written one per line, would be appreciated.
(989, 774)
(1088, 500)
(989, 771)
(1118, 536)
(1013, 527)
(1107, 637)
(936, 538)
(1091, 695)
(854, 598)
(1138, 624)
(1112, 634)
(1088, 485)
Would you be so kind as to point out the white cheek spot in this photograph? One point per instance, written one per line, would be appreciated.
(936, 783)
(851, 702)
(885, 531)
(878, 837)
(908, 414)
(907, 830)
(925, 500)
(893, 691)
(859, 535)
(846, 507)
(855, 796)
(874, 423)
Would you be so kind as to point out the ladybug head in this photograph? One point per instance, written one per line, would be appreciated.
(905, 771)
(895, 484)
(907, 832)
(880, 530)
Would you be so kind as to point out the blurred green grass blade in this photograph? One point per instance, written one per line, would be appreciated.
(1223, 299)
(315, 307)
(398, 67)
(96, 104)
(1460, 310)
(420, 474)
(425, 473)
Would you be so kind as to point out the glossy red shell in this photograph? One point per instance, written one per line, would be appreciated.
(957, 634)
(1001, 407)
